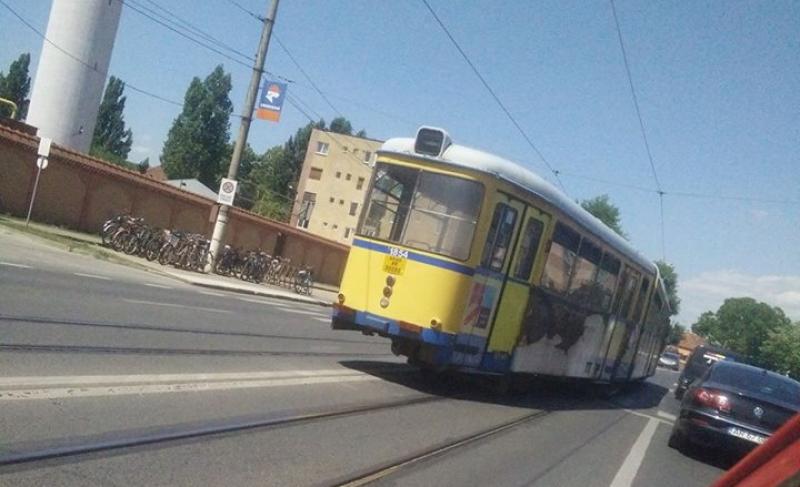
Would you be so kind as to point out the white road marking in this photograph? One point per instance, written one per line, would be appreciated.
(91, 276)
(648, 416)
(630, 466)
(322, 320)
(82, 380)
(308, 313)
(12, 264)
(173, 305)
(264, 301)
(160, 286)
(105, 391)
(667, 415)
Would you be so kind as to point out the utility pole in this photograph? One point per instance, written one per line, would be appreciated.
(244, 128)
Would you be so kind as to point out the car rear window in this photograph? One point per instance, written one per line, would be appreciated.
(759, 381)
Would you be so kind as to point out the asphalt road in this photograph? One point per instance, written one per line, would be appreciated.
(115, 376)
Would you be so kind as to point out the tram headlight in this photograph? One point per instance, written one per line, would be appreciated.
(436, 324)
(387, 291)
(384, 302)
(390, 280)
(340, 297)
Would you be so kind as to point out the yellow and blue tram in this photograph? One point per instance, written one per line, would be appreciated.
(468, 261)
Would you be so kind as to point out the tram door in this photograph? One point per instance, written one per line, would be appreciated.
(526, 264)
(488, 281)
(623, 325)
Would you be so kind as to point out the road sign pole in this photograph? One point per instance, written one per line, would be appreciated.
(244, 129)
(39, 165)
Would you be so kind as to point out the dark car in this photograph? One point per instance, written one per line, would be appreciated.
(735, 406)
(698, 363)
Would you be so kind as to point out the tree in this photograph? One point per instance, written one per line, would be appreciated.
(362, 133)
(781, 351)
(110, 137)
(605, 211)
(15, 86)
(742, 325)
(341, 125)
(197, 143)
(670, 278)
(143, 165)
(676, 332)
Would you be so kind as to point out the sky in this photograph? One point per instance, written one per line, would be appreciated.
(718, 85)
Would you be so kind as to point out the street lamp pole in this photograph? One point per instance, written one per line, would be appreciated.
(244, 128)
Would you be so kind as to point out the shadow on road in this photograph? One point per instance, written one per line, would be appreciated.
(528, 392)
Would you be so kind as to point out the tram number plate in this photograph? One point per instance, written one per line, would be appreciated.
(395, 262)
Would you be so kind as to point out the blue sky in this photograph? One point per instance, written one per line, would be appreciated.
(718, 86)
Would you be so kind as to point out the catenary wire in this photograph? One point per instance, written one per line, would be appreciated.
(494, 95)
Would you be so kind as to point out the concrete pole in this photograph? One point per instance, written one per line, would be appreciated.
(244, 129)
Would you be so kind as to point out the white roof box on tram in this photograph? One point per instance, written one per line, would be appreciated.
(431, 141)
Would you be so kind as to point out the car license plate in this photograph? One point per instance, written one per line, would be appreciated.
(746, 435)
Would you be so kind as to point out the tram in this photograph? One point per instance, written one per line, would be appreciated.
(467, 261)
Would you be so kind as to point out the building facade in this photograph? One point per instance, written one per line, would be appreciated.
(333, 184)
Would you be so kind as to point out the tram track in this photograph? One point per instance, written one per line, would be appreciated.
(37, 320)
(380, 472)
(20, 455)
(92, 349)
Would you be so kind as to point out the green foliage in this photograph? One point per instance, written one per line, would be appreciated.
(362, 133)
(143, 165)
(605, 211)
(197, 144)
(742, 325)
(15, 86)
(341, 125)
(110, 135)
(781, 351)
(676, 332)
(670, 278)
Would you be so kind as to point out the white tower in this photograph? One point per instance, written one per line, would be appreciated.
(67, 92)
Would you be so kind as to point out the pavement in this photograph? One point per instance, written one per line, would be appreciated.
(95, 354)
(322, 294)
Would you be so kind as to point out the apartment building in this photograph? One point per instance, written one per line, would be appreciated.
(333, 184)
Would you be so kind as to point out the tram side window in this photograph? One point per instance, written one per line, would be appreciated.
(561, 258)
(583, 287)
(630, 282)
(499, 238)
(607, 278)
(638, 313)
(528, 248)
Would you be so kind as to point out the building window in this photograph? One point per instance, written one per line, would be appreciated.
(348, 177)
(347, 232)
(332, 199)
(335, 226)
(324, 224)
(315, 173)
(360, 183)
(367, 155)
(341, 202)
(306, 207)
(338, 174)
(322, 148)
(353, 208)
(344, 148)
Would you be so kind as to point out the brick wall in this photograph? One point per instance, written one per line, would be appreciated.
(81, 192)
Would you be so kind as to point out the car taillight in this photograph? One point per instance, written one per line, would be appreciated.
(712, 399)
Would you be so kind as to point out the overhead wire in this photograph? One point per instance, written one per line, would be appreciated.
(641, 125)
(140, 11)
(494, 95)
(81, 61)
(196, 30)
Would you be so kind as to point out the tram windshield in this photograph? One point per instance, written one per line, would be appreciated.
(422, 210)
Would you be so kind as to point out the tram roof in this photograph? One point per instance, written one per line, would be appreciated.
(467, 157)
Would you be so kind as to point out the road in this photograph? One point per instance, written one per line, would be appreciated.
(115, 376)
